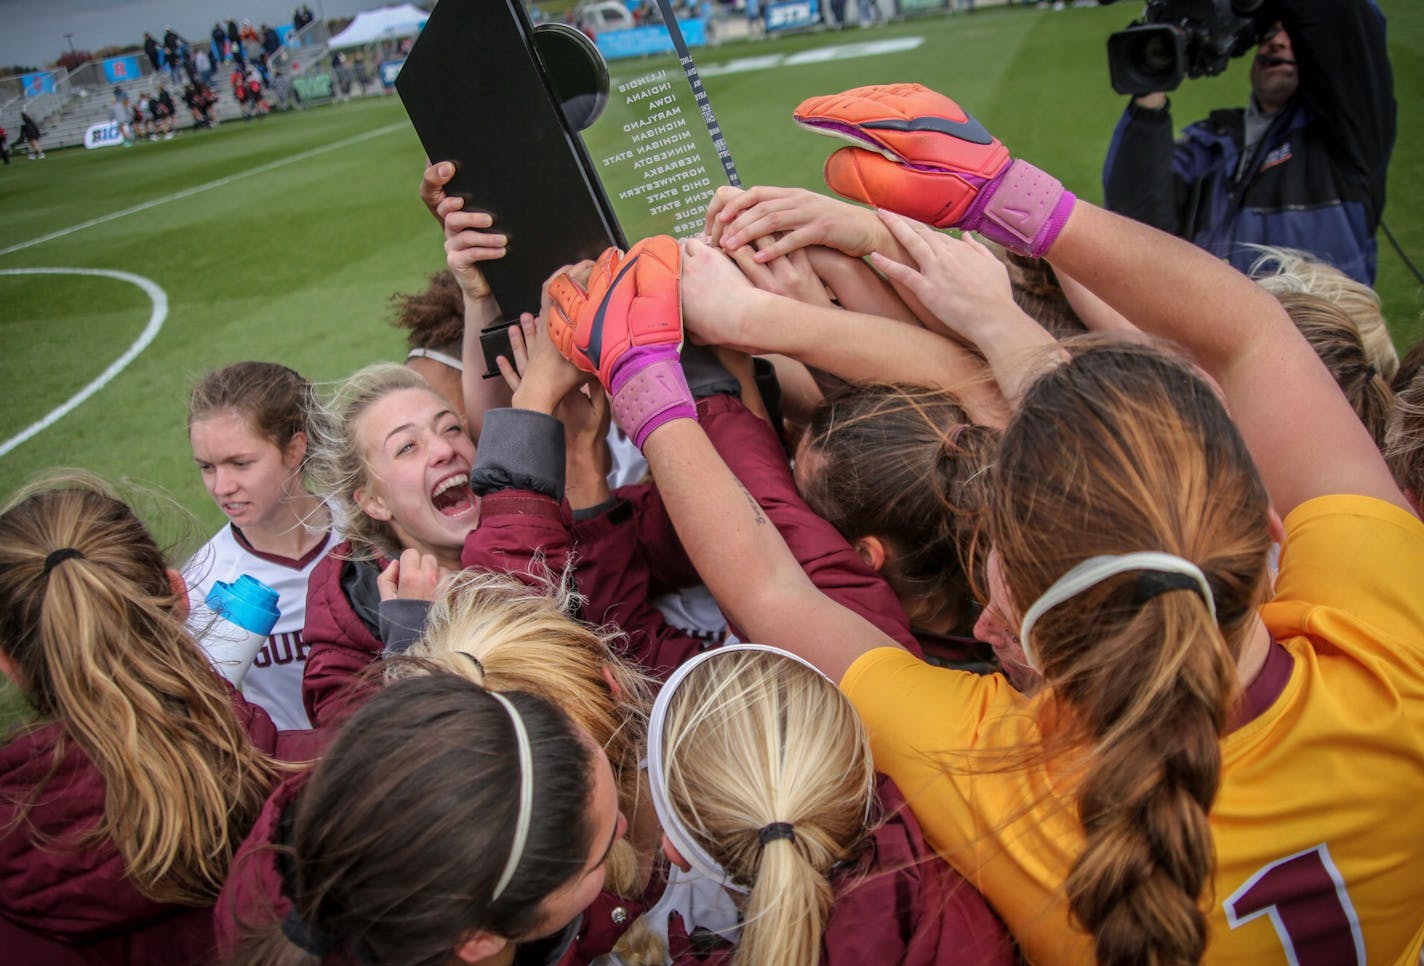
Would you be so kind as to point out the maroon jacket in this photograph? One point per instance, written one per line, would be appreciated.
(65, 899)
(340, 643)
(902, 904)
(753, 453)
(522, 532)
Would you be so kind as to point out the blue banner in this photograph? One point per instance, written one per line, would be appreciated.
(791, 14)
(650, 39)
(389, 70)
(41, 82)
(122, 68)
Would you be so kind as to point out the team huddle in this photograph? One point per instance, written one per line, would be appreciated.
(827, 588)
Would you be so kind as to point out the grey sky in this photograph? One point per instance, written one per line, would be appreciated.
(32, 31)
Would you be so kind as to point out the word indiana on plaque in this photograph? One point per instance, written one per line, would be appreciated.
(570, 152)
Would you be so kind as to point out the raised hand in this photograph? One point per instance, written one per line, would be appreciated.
(788, 219)
(920, 154)
(415, 576)
(624, 324)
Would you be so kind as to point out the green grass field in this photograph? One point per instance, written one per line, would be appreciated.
(293, 259)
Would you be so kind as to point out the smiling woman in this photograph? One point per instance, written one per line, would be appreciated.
(394, 456)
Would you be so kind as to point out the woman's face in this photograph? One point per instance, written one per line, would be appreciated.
(560, 907)
(998, 626)
(245, 473)
(418, 462)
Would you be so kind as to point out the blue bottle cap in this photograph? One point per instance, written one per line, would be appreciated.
(246, 602)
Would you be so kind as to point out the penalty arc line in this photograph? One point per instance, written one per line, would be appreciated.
(149, 333)
(207, 186)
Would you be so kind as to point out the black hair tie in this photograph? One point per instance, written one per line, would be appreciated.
(473, 660)
(774, 831)
(306, 937)
(1151, 583)
(59, 556)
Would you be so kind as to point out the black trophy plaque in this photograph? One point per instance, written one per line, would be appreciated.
(478, 95)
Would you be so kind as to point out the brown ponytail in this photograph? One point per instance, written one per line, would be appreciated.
(1123, 449)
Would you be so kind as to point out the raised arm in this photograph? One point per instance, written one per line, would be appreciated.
(624, 326)
(721, 307)
(1302, 433)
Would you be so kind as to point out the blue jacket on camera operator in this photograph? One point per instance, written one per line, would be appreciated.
(1302, 166)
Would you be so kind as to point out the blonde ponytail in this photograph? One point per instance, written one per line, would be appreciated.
(90, 620)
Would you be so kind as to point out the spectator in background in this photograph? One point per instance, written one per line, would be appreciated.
(121, 116)
(271, 43)
(282, 92)
(362, 77)
(1302, 166)
(4, 146)
(254, 91)
(140, 121)
(203, 67)
(172, 56)
(150, 47)
(342, 69)
(220, 49)
(234, 43)
(160, 108)
(29, 137)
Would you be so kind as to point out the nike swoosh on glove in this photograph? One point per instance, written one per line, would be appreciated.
(920, 154)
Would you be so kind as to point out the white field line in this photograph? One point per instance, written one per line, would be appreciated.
(149, 333)
(208, 186)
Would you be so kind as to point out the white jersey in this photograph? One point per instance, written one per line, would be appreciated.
(275, 681)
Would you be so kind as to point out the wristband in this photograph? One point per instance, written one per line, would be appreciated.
(1022, 209)
(650, 392)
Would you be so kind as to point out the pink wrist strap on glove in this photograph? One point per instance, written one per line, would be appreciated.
(648, 390)
(1022, 209)
(626, 327)
(920, 154)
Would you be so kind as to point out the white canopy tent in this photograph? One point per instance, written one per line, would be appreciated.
(387, 23)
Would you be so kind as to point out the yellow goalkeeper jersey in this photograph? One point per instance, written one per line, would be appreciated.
(1319, 822)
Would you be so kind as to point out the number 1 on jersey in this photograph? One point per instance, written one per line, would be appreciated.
(1304, 895)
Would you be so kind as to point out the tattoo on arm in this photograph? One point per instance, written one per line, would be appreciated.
(757, 516)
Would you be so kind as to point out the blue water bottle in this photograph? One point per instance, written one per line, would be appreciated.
(246, 612)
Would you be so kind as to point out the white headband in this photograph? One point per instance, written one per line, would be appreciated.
(526, 794)
(676, 832)
(438, 356)
(1094, 570)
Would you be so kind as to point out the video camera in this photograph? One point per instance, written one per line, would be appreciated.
(1184, 38)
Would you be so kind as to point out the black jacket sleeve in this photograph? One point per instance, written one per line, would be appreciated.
(1345, 78)
(1138, 178)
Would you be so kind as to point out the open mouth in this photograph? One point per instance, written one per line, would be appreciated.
(452, 496)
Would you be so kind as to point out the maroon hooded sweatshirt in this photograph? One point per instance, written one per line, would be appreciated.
(900, 905)
(66, 899)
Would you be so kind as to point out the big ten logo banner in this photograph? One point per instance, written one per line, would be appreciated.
(796, 13)
(103, 136)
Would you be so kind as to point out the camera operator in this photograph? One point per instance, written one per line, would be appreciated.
(1302, 166)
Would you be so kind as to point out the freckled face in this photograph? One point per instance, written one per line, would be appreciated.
(418, 462)
(245, 473)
